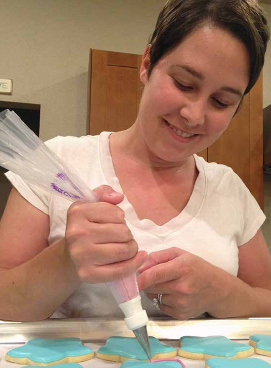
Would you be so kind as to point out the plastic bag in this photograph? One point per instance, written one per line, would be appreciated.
(23, 153)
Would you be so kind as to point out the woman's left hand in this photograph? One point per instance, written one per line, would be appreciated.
(189, 285)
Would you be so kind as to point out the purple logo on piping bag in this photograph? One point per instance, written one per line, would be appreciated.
(64, 192)
(62, 176)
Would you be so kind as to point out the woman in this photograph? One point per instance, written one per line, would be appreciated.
(197, 221)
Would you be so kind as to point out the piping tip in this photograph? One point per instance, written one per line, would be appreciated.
(142, 337)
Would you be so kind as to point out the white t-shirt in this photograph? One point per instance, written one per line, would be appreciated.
(220, 216)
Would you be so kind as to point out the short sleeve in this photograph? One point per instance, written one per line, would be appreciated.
(253, 216)
(35, 195)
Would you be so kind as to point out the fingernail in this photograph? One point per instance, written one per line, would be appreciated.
(113, 194)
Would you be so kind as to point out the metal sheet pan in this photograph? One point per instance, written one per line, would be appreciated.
(100, 329)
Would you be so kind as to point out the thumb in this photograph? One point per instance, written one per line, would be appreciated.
(161, 256)
(105, 193)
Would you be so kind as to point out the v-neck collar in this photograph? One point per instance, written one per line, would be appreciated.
(185, 216)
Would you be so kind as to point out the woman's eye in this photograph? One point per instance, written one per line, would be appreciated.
(182, 86)
(220, 104)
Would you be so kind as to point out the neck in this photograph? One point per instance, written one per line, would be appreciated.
(131, 143)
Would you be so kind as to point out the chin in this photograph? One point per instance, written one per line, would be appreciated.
(172, 157)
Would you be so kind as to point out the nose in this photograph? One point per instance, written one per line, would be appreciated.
(194, 112)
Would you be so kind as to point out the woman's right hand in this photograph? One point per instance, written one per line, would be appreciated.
(98, 240)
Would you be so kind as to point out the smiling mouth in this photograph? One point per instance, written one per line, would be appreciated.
(179, 132)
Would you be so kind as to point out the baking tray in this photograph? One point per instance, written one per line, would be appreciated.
(94, 330)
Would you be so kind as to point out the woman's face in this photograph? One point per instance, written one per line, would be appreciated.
(192, 93)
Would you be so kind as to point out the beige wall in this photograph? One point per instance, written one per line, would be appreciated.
(46, 45)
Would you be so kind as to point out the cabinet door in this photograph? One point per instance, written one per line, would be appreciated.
(256, 141)
(233, 148)
(114, 90)
(241, 145)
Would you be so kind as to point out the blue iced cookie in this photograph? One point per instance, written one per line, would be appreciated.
(193, 347)
(240, 363)
(119, 349)
(65, 365)
(50, 352)
(261, 343)
(163, 364)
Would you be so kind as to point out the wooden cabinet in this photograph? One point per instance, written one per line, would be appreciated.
(114, 92)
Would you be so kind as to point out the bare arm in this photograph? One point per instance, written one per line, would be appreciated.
(250, 293)
(35, 279)
(29, 269)
(192, 286)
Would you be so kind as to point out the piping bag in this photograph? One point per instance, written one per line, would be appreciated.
(23, 153)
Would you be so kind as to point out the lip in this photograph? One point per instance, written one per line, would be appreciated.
(178, 137)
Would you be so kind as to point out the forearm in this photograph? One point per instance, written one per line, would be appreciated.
(34, 290)
(239, 299)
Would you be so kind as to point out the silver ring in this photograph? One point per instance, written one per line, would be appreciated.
(156, 303)
(159, 298)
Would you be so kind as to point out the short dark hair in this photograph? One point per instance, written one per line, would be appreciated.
(242, 18)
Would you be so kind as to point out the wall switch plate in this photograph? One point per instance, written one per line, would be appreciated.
(6, 86)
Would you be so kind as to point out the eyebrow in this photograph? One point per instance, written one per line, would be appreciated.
(200, 76)
(232, 90)
(190, 70)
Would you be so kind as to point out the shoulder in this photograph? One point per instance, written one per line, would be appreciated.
(63, 145)
(82, 154)
(214, 170)
(76, 147)
(234, 204)
(221, 177)
(225, 186)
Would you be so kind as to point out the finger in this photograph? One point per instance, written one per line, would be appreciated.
(114, 271)
(163, 288)
(105, 193)
(181, 314)
(103, 254)
(165, 299)
(168, 307)
(99, 233)
(161, 256)
(161, 273)
(170, 311)
(110, 233)
(96, 212)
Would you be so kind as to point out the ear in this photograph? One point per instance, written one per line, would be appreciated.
(145, 65)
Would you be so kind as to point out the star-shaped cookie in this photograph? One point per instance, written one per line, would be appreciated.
(119, 349)
(50, 352)
(261, 344)
(193, 347)
(232, 363)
